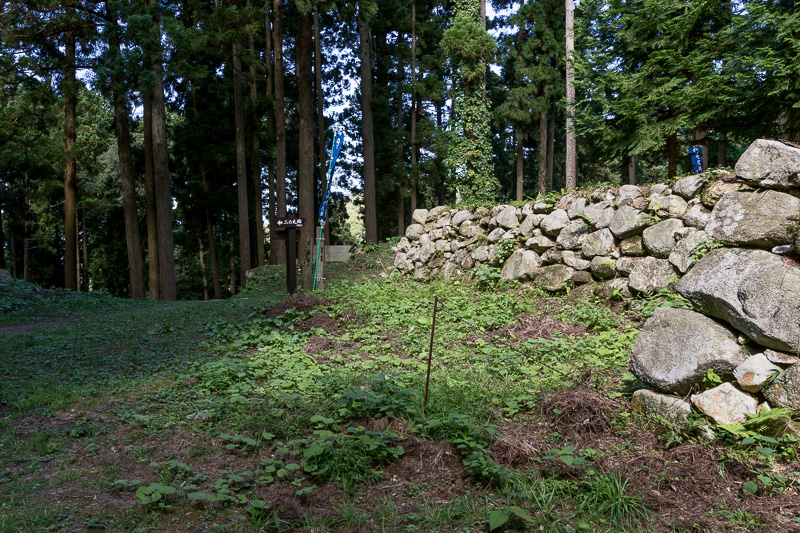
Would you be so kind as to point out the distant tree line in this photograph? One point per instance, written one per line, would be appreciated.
(143, 143)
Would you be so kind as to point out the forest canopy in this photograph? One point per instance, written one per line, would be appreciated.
(146, 145)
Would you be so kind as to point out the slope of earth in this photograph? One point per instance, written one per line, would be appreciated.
(263, 413)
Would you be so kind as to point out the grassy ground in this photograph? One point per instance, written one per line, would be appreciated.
(263, 413)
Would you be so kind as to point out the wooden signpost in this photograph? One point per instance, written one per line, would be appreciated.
(289, 225)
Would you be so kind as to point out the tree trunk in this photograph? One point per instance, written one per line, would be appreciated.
(543, 152)
(2, 243)
(70, 172)
(13, 251)
(241, 169)
(520, 163)
(150, 198)
(401, 204)
(413, 106)
(571, 175)
(722, 150)
(233, 265)
(305, 145)
(365, 56)
(202, 268)
(632, 170)
(320, 115)
(672, 156)
(84, 240)
(212, 244)
(269, 62)
(166, 246)
(279, 245)
(258, 193)
(551, 147)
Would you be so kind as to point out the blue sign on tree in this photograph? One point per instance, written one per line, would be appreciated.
(696, 153)
(323, 206)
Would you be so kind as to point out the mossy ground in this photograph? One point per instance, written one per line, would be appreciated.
(263, 413)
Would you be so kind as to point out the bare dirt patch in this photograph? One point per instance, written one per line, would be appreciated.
(529, 327)
(301, 303)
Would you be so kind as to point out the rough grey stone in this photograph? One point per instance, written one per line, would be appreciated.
(481, 253)
(632, 246)
(577, 207)
(540, 243)
(784, 391)
(754, 372)
(553, 223)
(672, 206)
(600, 214)
(765, 219)
(419, 216)
(569, 258)
(611, 287)
(507, 218)
(755, 291)
(781, 358)
(426, 251)
(460, 217)
(598, 243)
(420, 272)
(628, 221)
(658, 188)
(684, 254)
(603, 267)
(527, 210)
(530, 223)
(630, 196)
(540, 208)
(573, 234)
(650, 274)
(470, 231)
(688, 186)
(414, 231)
(660, 239)
(496, 235)
(677, 347)
(582, 277)
(625, 265)
(435, 213)
(725, 404)
(403, 245)
(443, 245)
(652, 403)
(520, 265)
(5, 274)
(400, 261)
(716, 190)
(551, 256)
(443, 221)
(554, 277)
(697, 216)
(770, 164)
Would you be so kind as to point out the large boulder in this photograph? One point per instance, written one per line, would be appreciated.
(686, 251)
(726, 404)
(632, 246)
(530, 223)
(672, 206)
(697, 216)
(599, 215)
(553, 223)
(755, 291)
(755, 372)
(414, 231)
(784, 391)
(628, 221)
(660, 239)
(651, 403)
(770, 164)
(461, 217)
(5, 274)
(651, 274)
(540, 243)
(570, 259)
(573, 234)
(520, 265)
(419, 216)
(677, 347)
(765, 219)
(554, 277)
(688, 186)
(507, 218)
(599, 242)
(631, 196)
(714, 192)
(603, 267)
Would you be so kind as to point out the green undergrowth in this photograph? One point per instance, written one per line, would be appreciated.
(225, 417)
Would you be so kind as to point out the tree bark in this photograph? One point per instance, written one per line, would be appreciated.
(551, 147)
(202, 268)
(279, 245)
(166, 246)
(258, 193)
(367, 132)
(672, 156)
(305, 145)
(571, 174)
(241, 169)
(520, 164)
(401, 204)
(70, 172)
(543, 152)
(722, 150)
(212, 244)
(85, 242)
(320, 115)
(270, 161)
(233, 265)
(154, 275)
(2, 242)
(414, 146)
(632, 170)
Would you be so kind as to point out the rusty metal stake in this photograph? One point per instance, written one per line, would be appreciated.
(430, 354)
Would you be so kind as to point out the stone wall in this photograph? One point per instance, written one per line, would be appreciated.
(726, 242)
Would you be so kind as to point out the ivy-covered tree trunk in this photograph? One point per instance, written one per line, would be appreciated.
(469, 47)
